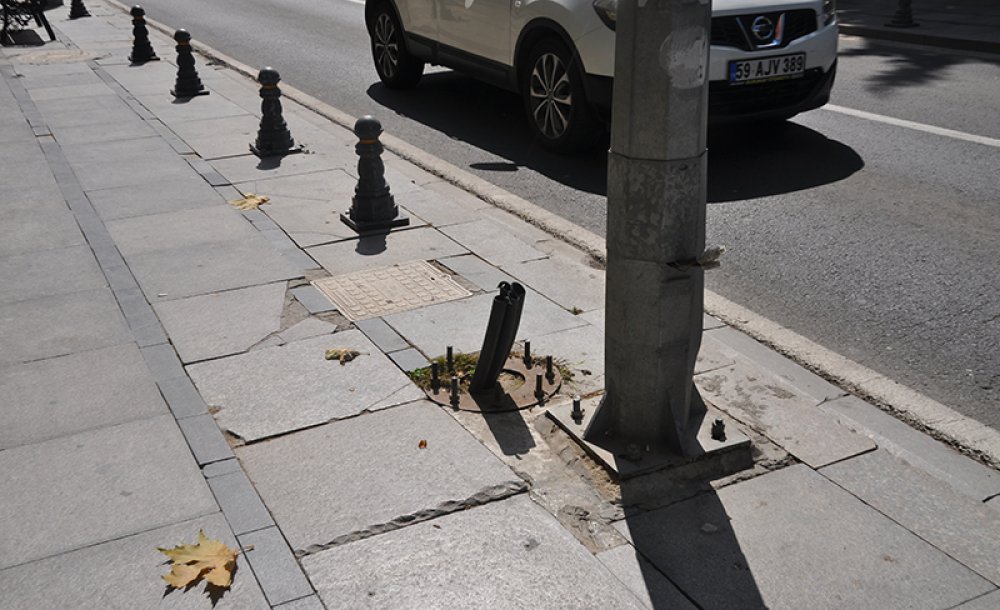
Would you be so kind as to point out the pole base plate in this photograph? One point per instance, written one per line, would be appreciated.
(624, 460)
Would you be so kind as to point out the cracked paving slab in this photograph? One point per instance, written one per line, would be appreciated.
(276, 390)
(378, 472)
(509, 554)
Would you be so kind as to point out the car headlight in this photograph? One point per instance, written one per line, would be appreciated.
(607, 10)
(829, 11)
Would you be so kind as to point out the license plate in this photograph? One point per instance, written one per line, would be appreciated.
(765, 69)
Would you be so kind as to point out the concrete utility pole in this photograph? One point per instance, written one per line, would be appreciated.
(656, 227)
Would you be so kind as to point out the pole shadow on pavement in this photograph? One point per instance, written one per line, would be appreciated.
(692, 540)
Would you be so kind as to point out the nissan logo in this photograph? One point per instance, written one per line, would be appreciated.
(762, 28)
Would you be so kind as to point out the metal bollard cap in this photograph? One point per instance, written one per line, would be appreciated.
(268, 76)
(182, 36)
(367, 128)
(137, 11)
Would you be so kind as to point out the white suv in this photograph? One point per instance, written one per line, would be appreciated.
(769, 58)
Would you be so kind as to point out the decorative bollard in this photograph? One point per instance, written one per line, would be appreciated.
(903, 17)
(273, 137)
(77, 10)
(373, 210)
(142, 50)
(188, 84)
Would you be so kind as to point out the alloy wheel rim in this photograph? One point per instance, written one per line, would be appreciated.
(550, 95)
(386, 47)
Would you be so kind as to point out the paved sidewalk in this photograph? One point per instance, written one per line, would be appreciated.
(969, 25)
(163, 371)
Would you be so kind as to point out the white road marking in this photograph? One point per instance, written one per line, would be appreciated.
(940, 131)
(355, 1)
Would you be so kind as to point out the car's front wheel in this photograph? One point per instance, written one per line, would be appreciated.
(557, 107)
(396, 67)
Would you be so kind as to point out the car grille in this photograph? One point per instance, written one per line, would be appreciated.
(725, 99)
(734, 31)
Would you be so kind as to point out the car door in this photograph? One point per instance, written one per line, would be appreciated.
(418, 17)
(479, 27)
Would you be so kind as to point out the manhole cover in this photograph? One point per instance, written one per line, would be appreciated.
(378, 292)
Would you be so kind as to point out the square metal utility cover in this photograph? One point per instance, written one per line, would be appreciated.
(378, 292)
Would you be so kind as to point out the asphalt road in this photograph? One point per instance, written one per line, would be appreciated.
(878, 241)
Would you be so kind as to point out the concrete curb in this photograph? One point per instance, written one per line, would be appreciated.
(938, 420)
(912, 37)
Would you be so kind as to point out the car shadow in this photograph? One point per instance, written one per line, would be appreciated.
(744, 162)
(491, 119)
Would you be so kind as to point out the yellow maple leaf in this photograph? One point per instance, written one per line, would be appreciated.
(250, 201)
(342, 354)
(208, 558)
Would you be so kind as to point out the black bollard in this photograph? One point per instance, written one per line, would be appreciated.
(77, 10)
(273, 137)
(903, 17)
(142, 50)
(373, 209)
(188, 84)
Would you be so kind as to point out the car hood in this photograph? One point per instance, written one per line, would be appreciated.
(732, 7)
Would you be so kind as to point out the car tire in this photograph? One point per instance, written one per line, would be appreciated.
(396, 67)
(552, 89)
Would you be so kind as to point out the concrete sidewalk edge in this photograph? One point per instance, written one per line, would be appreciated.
(941, 422)
(913, 37)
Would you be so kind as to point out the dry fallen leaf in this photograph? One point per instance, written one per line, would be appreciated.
(422, 444)
(343, 354)
(250, 201)
(209, 558)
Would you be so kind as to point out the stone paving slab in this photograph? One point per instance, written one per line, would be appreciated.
(438, 210)
(249, 167)
(84, 489)
(207, 268)
(310, 222)
(804, 381)
(644, 580)
(156, 197)
(278, 573)
(572, 285)
(66, 91)
(749, 394)
(48, 272)
(791, 539)
(180, 229)
(581, 349)
(306, 329)
(493, 242)
(990, 601)
(171, 110)
(74, 112)
(960, 526)
(509, 554)
(52, 398)
(130, 128)
(222, 323)
(916, 448)
(333, 185)
(280, 389)
(350, 476)
(126, 573)
(102, 165)
(382, 251)
(477, 271)
(61, 324)
(223, 137)
(30, 229)
(462, 323)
